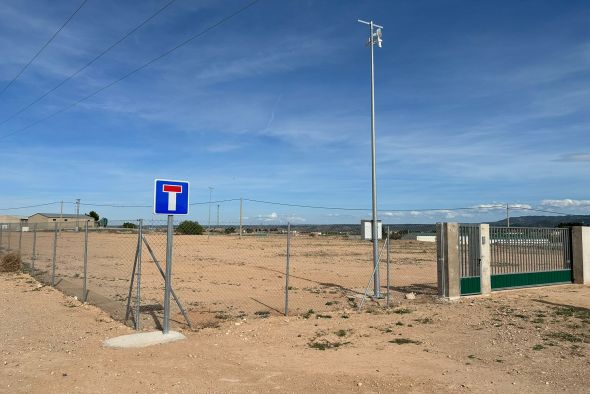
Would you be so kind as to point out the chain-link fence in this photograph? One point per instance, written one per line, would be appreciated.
(221, 274)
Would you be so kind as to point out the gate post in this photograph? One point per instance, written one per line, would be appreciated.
(448, 265)
(581, 254)
(484, 259)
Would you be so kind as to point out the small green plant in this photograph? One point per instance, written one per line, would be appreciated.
(341, 333)
(319, 316)
(399, 323)
(262, 314)
(308, 314)
(538, 347)
(402, 311)
(404, 341)
(324, 345)
(425, 320)
(565, 336)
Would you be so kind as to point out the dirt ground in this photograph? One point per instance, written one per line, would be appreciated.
(229, 277)
(534, 340)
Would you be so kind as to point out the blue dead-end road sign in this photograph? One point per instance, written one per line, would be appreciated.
(171, 197)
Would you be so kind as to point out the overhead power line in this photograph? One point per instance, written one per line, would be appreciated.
(30, 206)
(104, 52)
(134, 71)
(542, 210)
(301, 206)
(22, 70)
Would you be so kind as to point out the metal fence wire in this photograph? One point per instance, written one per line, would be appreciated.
(222, 274)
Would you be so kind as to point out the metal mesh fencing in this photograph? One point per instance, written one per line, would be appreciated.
(221, 274)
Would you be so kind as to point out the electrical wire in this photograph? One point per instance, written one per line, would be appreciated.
(134, 71)
(30, 206)
(22, 70)
(104, 52)
(301, 206)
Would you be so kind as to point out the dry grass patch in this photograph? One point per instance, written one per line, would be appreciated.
(10, 262)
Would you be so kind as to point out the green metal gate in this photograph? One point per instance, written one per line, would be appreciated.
(470, 263)
(519, 257)
(530, 256)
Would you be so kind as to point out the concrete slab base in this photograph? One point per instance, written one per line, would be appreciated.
(143, 339)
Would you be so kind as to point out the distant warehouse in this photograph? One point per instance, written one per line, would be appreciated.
(65, 221)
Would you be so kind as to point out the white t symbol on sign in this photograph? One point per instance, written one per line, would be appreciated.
(172, 191)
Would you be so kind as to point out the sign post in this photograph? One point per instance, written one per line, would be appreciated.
(170, 198)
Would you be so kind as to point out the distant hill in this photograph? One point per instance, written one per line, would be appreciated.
(543, 221)
(355, 229)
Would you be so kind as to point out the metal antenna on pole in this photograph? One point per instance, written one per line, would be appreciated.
(374, 38)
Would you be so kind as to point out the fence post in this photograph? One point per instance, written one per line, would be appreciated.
(54, 255)
(581, 254)
(287, 269)
(388, 283)
(1, 235)
(168, 279)
(448, 263)
(9, 232)
(34, 255)
(138, 299)
(20, 238)
(241, 215)
(85, 287)
(484, 259)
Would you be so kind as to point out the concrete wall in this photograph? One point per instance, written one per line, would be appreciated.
(448, 269)
(581, 254)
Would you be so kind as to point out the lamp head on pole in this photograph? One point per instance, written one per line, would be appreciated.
(376, 35)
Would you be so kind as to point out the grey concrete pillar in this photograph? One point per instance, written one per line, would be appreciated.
(581, 254)
(485, 259)
(448, 264)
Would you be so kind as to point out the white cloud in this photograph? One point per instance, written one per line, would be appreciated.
(575, 157)
(566, 203)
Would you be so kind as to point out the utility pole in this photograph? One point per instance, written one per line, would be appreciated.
(374, 38)
(209, 222)
(241, 214)
(77, 214)
(217, 215)
(507, 216)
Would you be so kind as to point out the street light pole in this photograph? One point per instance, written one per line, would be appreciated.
(374, 38)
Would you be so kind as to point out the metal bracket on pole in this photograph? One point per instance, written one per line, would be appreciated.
(370, 279)
(128, 307)
(157, 263)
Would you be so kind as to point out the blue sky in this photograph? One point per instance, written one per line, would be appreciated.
(478, 103)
